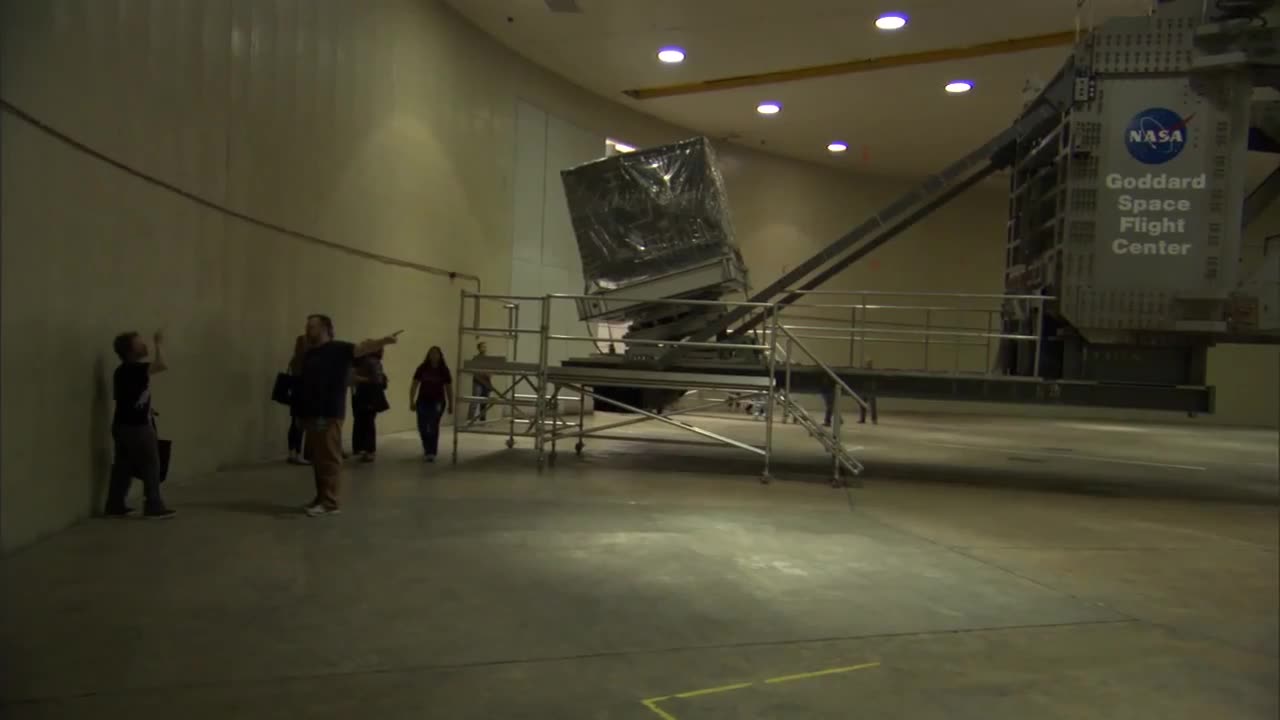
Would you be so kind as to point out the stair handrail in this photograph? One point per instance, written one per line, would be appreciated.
(840, 384)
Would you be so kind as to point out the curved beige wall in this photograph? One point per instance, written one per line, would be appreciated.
(383, 125)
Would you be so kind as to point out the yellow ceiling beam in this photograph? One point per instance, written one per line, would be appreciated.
(1000, 47)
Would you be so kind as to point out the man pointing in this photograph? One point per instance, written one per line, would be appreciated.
(322, 404)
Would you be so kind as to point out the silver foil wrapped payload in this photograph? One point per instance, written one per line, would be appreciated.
(648, 213)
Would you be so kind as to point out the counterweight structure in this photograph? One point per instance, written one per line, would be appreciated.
(1130, 209)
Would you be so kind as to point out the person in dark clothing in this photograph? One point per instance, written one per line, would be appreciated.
(430, 398)
(829, 401)
(481, 386)
(322, 389)
(875, 412)
(137, 450)
(296, 455)
(368, 399)
(870, 399)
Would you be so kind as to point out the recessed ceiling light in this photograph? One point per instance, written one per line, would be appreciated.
(768, 108)
(837, 147)
(671, 55)
(959, 86)
(892, 21)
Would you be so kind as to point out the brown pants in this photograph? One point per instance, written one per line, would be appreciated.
(324, 441)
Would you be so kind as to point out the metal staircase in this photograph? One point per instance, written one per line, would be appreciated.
(828, 438)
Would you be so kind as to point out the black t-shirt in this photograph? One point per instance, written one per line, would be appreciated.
(131, 387)
(323, 382)
(431, 382)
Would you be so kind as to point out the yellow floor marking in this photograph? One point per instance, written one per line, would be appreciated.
(652, 703)
(712, 691)
(820, 673)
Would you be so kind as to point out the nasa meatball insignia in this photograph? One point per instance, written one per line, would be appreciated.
(1156, 135)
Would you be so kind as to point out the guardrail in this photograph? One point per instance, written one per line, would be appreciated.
(869, 320)
(782, 345)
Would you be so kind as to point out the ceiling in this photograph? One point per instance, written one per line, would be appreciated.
(895, 122)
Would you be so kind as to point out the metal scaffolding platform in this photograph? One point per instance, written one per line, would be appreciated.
(539, 415)
(954, 336)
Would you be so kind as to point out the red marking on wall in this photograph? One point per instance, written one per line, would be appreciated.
(866, 154)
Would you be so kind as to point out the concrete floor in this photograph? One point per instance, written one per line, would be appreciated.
(988, 569)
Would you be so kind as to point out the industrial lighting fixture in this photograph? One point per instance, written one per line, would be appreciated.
(837, 147)
(671, 55)
(621, 147)
(769, 108)
(959, 86)
(892, 21)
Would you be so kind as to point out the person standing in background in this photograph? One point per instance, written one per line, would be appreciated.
(870, 401)
(368, 399)
(828, 400)
(481, 386)
(430, 398)
(296, 456)
(326, 369)
(137, 449)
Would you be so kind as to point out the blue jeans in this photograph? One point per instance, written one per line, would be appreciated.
(429, 414)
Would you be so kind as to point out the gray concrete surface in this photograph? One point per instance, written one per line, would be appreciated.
(988, 569)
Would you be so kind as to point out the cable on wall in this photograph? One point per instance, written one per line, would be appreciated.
(17, 112)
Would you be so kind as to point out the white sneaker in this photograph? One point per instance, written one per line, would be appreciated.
(320, 510)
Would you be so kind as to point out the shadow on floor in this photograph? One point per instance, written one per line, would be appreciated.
(258, 507)
(1023, 474)
(720, 463)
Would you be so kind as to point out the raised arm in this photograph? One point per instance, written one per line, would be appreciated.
(368, 347)
(158, 364)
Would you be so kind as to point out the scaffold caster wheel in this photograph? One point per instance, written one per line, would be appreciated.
(510, 443)
(578, 449)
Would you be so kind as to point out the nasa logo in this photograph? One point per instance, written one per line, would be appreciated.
(1156, 135)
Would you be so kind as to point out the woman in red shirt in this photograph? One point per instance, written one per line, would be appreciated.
(430, 398)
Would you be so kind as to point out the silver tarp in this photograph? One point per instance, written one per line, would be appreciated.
(648, 213)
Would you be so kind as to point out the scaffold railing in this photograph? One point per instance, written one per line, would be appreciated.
(534, 392)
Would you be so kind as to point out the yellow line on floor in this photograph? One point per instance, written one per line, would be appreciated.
(820, 673)
(712, 691)
(653, 705)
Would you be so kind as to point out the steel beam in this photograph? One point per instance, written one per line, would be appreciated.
(909, 208)
(1262, 196)
(967, 52)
